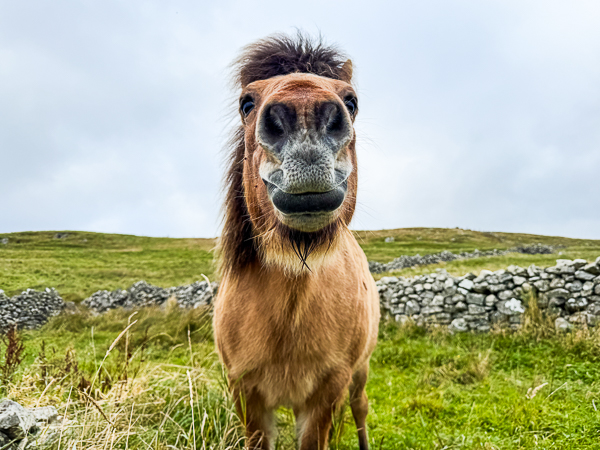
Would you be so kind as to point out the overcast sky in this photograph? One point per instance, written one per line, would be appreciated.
(474, 114)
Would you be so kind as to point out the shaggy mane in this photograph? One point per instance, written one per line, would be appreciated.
(281, 55)
(267, 58)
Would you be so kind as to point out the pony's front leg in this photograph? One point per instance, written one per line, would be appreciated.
(256, 417)
(314, 419)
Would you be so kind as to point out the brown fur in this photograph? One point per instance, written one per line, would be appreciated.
(297, 313)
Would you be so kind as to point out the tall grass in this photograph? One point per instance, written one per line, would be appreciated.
(154, 384)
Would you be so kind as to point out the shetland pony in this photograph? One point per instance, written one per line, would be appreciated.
(297, 314)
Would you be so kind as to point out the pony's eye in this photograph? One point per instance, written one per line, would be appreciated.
(351, 105)
(246, 106)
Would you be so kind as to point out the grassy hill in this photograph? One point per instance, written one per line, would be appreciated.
(82, 262)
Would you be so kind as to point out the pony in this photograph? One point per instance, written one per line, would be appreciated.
(297, 314)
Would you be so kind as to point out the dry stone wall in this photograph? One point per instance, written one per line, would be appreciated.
(29, 309)
(142, 294)
(570, 290)
(405, 261)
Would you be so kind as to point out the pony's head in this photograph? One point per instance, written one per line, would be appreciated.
(292, 179)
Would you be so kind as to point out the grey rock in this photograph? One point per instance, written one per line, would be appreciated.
(579, 318)
(437, 286)
(558, 293)
(556, 302)
(427, 296)
(480, 287)
(533, 271)
(583, 275)
(594, 309)
(397, 309)
(438, 300)
(575, 286)
(476, 309)
(459, 325)
(442, 318)
(498, 317)
(519, 280)
(491, 300)
(412, 308)
(475, 299)
(403, 320)
(557, 283)
(15, 421)
(460, 306)
(4, 241)
(510, 307)
(458, 298)
(46, 414)
(576, 304)
(579, 263)
(505, 295)
(389, 239)
(561, 324)
(428, 310)
(495, 288)
(542, 285)
(466, 284)
(388, 280)
(592, 268)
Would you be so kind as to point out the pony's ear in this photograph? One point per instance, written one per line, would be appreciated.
(346, 71)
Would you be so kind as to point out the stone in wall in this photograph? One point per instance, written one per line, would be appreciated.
(570, 290)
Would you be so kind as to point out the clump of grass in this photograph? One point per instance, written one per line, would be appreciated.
(469, 369)
(536, 324)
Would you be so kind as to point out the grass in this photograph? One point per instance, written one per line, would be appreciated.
(159, 385)
(428, 390)
(83, 263)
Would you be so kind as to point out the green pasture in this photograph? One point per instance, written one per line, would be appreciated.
(83, 262)
(150, 379)
(428, 390)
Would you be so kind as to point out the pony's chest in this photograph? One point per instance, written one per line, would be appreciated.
(291, 369)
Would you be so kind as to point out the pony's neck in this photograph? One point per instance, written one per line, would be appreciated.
(285, 259)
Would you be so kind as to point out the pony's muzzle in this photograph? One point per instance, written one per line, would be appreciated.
(281, 122)
(306, 203)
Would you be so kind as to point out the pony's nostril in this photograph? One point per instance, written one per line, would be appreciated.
(333, 119)
(277, 121)
(274, 123)
(336, 124)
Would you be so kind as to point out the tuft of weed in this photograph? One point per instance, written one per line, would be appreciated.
(14, 349)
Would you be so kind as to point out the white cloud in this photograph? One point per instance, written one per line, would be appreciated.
(474, 114)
